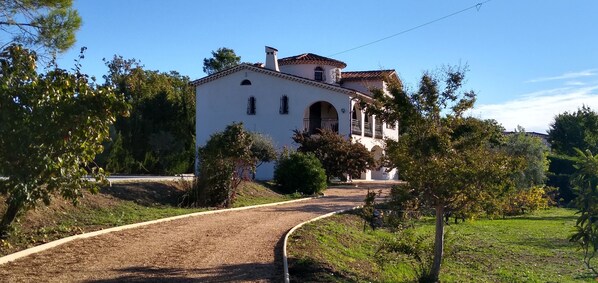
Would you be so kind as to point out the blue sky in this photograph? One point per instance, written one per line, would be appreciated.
(528, 60)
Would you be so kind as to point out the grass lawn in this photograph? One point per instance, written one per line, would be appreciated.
(120, 204)
(530, 248)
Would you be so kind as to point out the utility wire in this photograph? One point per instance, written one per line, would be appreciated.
(476, 6)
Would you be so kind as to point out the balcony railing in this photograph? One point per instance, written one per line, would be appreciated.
(378, 130)
(311, 125)
(355, 127)
(367, 129)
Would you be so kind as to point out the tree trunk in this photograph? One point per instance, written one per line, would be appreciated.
(438, 243)
(9, 216)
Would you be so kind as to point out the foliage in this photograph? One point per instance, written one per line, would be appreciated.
(574, 130)
(300, 172)
(534, 154)
(48, 24)
(530, 248)
(416, 246)
(338, 156)
(525, 201)
(159, 135)
(52, 126)
(224, 162)
(586, 185)
(262, 148)
(447, 162)
(222, 59)
(559, 175)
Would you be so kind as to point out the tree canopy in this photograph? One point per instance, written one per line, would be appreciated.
(338, 155)
(159, 135)
(222, 59)
(40, 24)
(448, 160)
(572, 130)
(534, 155)
(52, 125)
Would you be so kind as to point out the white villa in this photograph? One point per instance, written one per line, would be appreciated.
(303, 92)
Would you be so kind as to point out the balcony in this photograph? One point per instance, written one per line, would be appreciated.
(311, 125)
(378, 130)
(355, 127)
(367, 129)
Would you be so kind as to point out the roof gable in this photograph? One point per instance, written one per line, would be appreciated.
(310, 58)
(281, 75)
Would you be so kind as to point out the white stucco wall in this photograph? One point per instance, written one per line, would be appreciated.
(307, 71)
(223, 101)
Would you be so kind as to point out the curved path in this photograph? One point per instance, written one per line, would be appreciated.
(234, 246)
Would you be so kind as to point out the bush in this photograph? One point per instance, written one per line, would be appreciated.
(300, 172)
(224, 162)
(525, 201)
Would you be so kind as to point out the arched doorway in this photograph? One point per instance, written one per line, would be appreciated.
(320, 115)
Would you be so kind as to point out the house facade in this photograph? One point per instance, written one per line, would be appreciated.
(304, 92)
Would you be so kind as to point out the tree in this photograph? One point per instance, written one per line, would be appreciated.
(338, 156)
(262, 148)
(574, 130)
(52, 126)
(224, 162)
(300, 172)
(47, 24)
(159, 134)
(445, 161)
(534, 154)
(586, 184)
(222, 59)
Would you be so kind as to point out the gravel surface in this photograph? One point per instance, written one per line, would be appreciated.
(236, 246)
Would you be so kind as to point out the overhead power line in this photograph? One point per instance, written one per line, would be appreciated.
(476, 6)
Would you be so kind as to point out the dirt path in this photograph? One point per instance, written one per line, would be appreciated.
(237, 246)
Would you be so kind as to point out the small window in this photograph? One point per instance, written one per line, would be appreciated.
(284, 105)
(246, 82)
(319, 74)
(251, 106)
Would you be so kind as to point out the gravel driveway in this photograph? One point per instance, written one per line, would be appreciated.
(235, 246)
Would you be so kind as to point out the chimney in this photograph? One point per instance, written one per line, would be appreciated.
(271, 59)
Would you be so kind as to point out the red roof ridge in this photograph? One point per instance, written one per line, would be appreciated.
(311, 58)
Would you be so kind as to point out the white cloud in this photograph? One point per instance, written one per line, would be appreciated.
(535, 111)
(574, 83)
(567, 76)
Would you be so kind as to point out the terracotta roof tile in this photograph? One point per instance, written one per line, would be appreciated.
(367, 75)
(310, 58)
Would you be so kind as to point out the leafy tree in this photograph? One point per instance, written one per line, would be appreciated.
(52, 126)
(47, 24)
(574, 130)
(569, 131)
(586, 184)
(262, 148)
(445, 162)
(224, 162)
(159, 135)
(222, 59)
(534, 154)
(338, 156)
(300, 172)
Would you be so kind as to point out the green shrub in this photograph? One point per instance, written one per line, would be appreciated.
(525, 201)
(300, 172)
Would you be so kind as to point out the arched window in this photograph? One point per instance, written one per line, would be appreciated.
(251, 106)
(318, 74)
(284, 105)
(246, 82)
